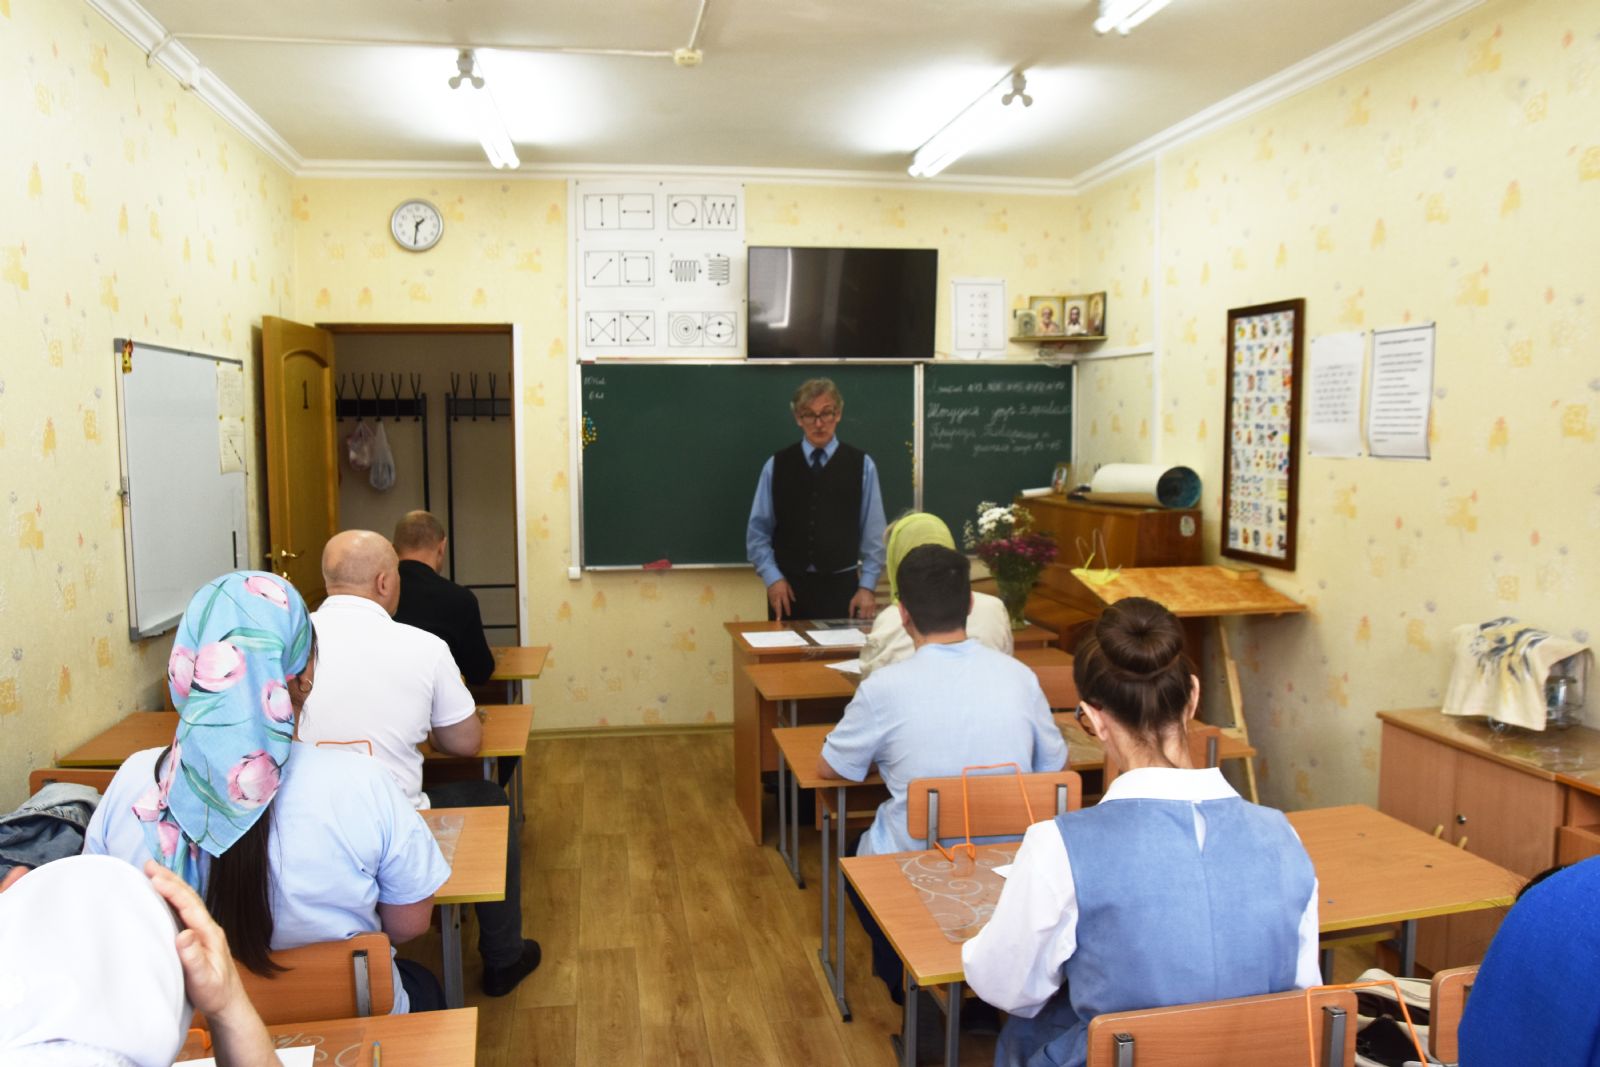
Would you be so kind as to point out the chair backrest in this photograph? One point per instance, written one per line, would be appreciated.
(1445, 1005)
(93, 777)
(1205, 742)
(1265, 1031)
(327, 980)
(993, 800)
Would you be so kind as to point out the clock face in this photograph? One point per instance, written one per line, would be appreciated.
(416, 225)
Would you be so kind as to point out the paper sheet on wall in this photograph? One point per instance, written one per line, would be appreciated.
(230, 417)
(1333, 395)
(1399, 402)
(979, 317)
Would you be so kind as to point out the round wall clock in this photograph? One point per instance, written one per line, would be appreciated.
(416, 225)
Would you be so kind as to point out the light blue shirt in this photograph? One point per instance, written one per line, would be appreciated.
(758, 534)
(945, 708)
(344, 840)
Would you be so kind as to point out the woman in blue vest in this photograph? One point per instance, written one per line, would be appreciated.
(1171, 890)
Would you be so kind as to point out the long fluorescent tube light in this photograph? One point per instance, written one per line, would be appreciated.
(960, 134)
(484, 112)
(1124, 15)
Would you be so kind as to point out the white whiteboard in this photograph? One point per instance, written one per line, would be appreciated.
(183, 519)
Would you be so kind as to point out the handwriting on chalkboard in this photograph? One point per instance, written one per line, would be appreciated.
(974, 424)
(594, 386)
(1000, 388)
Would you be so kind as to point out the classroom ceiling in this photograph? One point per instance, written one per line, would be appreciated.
(816, 85)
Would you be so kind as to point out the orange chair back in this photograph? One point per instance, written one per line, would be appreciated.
(93, 777)
(1448, 1001)
(325, 981)
(994, 805)
(1205, 742)
(1265, 1031)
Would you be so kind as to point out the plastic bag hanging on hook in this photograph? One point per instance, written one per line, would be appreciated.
(382, 476)
(1089, 574)
(358, 447)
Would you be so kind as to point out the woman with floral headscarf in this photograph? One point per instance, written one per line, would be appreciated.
(343, 852)
(987, 622)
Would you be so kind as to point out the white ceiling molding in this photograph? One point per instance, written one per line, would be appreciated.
(888, 179)
(1382, 36)
(159, 47)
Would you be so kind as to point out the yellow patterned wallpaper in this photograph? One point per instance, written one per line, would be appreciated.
(1455, 180)
(130, 209)
(629, 648)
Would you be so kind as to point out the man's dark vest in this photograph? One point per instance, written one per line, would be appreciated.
(817, 517)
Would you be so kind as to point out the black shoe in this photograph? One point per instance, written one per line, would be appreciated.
(498, 981)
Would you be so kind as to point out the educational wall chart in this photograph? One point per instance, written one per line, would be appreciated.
(1260, 471)
(659, 268)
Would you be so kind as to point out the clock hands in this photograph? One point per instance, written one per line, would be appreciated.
(416, 231)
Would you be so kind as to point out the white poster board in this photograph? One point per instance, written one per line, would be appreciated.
(658, 268)
(183, 499)
(1401, 397)
(978, 317)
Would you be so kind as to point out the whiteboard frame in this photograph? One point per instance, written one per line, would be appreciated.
(119, 347)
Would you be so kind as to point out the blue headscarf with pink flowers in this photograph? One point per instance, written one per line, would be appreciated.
(241, 639)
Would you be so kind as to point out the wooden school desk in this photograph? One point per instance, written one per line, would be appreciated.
(801, 746)
(429, 1039)
(505, 733)
(517, 665)
(473, 840)
(1372, 871)
(1210, 592)
(754, 718)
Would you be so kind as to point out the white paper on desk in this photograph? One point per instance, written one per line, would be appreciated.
(838, 638)
(846, 666)
(298, 1056)
(1004, 870)
(1333, 395)
(774, 639)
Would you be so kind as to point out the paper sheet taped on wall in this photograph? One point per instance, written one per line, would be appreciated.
(1333, 395)
(230, 417)
(1145, 483)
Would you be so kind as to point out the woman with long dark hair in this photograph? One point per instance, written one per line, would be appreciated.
(288, 844)
(1171, 890)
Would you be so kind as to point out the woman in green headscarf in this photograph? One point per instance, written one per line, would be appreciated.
(888, 642)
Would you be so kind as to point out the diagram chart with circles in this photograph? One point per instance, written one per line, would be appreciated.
(659, 268)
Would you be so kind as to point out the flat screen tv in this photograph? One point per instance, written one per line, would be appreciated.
(842, 303)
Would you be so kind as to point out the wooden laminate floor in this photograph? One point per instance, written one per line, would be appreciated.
(668, 937)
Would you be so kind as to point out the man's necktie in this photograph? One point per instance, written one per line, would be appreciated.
(817, 456)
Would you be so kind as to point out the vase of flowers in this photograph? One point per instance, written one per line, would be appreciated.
(1004, 539)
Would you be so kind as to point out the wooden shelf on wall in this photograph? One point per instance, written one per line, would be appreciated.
(1058, 339)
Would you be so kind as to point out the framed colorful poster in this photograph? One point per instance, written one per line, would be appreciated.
(1259, 462)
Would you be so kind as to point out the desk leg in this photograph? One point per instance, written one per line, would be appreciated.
(1408, 948)
(833, 968)
(1327, 966)
(952, 1027)
(908, 1027)
(517, 799)
(450, 944)
(789, 808)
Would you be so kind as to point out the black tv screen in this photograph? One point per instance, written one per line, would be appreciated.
(842, 303)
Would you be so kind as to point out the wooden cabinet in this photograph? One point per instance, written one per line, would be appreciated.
(1503, 797)
(1118, 535)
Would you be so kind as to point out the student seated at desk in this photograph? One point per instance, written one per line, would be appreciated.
(987, 623)
(98, 972)
(953, 704)
(1171, 890)
(394, 686)
(288, 844)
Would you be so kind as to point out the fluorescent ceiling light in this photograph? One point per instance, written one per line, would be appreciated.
(483, 112)
(958, 136)
(1124, 15)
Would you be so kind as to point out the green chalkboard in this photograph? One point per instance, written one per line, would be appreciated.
(675, 450)
(989, 431)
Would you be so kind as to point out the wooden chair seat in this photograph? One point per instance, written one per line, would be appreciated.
(1265, 1031)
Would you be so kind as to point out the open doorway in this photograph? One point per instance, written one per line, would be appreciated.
(440, 398)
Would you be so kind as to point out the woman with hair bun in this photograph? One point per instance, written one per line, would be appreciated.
(1172, 890)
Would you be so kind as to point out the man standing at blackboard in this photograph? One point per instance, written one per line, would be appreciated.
(816, 526)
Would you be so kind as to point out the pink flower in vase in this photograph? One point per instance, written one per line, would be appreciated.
(275, 701)
(180, 670)
(218, 666)
(253, 781)
(267, 589)
(168, 833)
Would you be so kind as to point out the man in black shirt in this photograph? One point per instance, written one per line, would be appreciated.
(430, 601)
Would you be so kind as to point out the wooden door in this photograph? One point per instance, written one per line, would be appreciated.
(302, 451)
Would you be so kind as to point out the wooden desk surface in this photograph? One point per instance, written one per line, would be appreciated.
(1196, 592)
(430, 1039)
(1372, 870)
(505, 732)
(1030, 636)
(518, 662)
(1570, 756)
(478, 862)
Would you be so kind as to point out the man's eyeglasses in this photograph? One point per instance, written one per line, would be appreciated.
(825, 415)
(1083, 723)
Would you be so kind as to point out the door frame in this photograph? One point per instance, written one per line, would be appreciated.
(519, 432)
